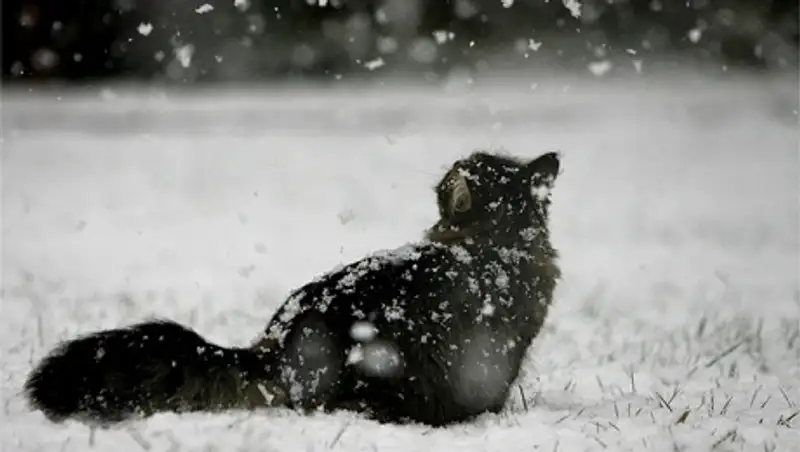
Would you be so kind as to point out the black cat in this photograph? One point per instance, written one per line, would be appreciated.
(433, 332)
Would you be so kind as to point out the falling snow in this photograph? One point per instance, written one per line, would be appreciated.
(481, 375)
(205, 8)
(442, 36)
(423, 50)
(695, 34)
(144, 28)
(184, 55)
(600, 68)
(363, 331)
(574, 7)
(44, 59)
(376, 359)
(685, 292)
(374, 64)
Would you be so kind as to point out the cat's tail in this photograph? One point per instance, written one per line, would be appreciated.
(150, 367)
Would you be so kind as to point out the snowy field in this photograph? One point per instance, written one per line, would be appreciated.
(676, 326)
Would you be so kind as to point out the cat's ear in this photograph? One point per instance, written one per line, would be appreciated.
(542, 172)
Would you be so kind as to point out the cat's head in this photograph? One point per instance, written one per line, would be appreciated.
(489, 194)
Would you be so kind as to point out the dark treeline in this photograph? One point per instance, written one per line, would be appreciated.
(195, 40)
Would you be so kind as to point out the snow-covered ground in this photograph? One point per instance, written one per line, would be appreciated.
(677, 323)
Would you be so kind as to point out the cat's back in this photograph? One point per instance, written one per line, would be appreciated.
(384, 281)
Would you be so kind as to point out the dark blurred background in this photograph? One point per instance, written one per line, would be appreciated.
(188, 41)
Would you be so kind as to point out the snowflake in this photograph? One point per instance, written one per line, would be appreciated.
(363, 331)
(145, 29)
(574, 7)
(374, 64)
(205, 8)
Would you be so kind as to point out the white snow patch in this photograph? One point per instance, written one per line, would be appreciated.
(541, 192)
(461, 254)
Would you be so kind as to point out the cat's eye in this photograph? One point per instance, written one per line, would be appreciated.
(461, 204)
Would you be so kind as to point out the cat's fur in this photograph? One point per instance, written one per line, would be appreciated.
(448, 321)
